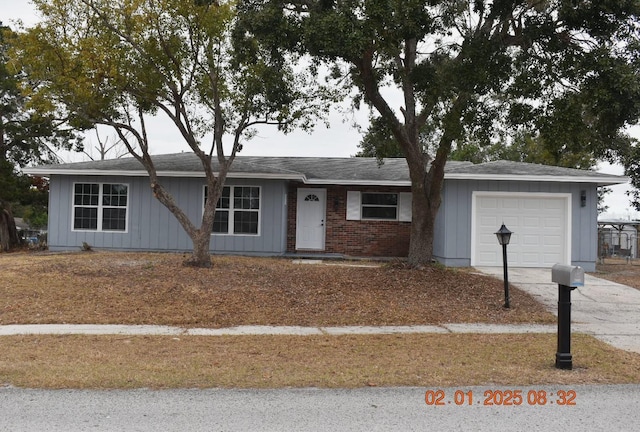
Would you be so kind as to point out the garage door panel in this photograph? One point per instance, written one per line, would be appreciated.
(548, 240)
(488, 239)
(529, 259)
(487, 221)
(552, 223)
(508, 221)
(489, 203)
(531, 204)
(539, 223)
(556, 204)
(551, 259)
(509, 204)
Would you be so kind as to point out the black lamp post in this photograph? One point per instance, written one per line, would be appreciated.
(504, 236)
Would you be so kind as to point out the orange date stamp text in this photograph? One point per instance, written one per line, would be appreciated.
(506, 397)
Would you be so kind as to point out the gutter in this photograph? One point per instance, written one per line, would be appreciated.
(600, 181)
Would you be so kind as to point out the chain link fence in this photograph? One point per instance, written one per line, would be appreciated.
(618, 247)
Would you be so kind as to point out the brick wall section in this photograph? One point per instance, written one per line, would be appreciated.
(355, 238)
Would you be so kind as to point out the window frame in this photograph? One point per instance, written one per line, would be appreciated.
(363, 205)
(100, 208)
(231, 210)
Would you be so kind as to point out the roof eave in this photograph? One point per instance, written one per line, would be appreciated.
(363, 182)
(140, 173)
(600, 181)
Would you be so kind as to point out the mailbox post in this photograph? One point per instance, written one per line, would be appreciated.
(568, 278)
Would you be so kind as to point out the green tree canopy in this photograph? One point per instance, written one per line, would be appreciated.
(470, 71)
(379, 142)
(116, 63)
(28, 134)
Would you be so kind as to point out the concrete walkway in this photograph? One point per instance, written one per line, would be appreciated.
(607, 310)
(139, 330)
(604, 309)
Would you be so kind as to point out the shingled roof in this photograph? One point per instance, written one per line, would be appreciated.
(320, 170)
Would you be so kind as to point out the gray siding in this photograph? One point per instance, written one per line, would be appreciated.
(452, 242)
(150, 226)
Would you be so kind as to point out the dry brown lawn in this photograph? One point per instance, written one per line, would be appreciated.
(148, 288)
(307, 361)
(621, 271)
(134, 288)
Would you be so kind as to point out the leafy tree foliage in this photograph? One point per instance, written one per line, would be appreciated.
(379, 142)
(632, 169)
(28, 134)
(116, 63)
(470, 71)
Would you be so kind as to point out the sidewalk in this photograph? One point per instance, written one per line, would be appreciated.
(151, 330)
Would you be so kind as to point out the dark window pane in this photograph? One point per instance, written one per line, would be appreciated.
(379, 212)
(85, 194)
(119, 189)
(221, 222)
(225, 199)
(379, 199)
(114, 195)
(246, 197)
(113, 219)
(245, 222)
(92, 192)
(85, 218)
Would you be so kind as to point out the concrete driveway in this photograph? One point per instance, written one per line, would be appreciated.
(608, 310)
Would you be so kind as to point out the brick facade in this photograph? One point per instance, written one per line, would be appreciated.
(352, 237)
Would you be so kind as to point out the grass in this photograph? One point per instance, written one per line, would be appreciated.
(133, 288)
(107, 362)
(102, 288)
(620, 270)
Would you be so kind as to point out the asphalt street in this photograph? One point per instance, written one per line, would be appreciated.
(597, 408)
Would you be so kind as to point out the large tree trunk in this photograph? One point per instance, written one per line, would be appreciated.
(426, 185)
(422, 229)
(8, 232)
(200, 257)
(425, 204)
(201, 237)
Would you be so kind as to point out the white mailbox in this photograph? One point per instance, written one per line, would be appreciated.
(567, 275)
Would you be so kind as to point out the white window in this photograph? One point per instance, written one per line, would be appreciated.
(379, 206)
(100, 206)
(237, 211)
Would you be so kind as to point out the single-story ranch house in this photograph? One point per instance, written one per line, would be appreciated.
(331, 206)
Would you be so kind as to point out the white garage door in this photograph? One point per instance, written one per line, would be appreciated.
(540, 224)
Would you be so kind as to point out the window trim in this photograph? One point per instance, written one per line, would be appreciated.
(231, 210)
(354, 206)
(100, 207)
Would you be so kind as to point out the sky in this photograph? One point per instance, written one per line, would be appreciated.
(339, 140)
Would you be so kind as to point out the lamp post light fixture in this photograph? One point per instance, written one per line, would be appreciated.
(504, 236)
